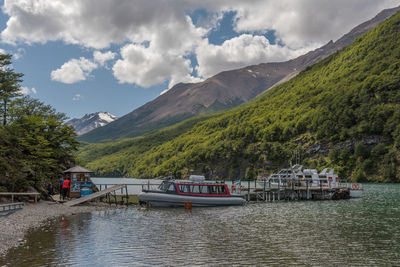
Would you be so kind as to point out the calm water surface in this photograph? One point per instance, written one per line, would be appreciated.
(357, 232)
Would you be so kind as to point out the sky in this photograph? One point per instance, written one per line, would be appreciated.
(115, 55)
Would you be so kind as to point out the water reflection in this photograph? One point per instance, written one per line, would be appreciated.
(362, 232)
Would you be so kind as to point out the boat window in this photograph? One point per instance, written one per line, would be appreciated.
(163, 186)
(171, 188)
(213, 189)
(221, 190)
(204, 189)
(184, 188)
(195, 189)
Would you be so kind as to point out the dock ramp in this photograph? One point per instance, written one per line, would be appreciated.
(94, 195)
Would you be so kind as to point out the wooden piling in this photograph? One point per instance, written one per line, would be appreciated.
(127, 196)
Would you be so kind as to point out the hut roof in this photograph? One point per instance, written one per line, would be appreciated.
(78, 169)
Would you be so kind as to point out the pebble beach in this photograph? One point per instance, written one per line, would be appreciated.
(14, 226)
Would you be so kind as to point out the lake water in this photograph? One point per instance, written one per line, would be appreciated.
(356, 232)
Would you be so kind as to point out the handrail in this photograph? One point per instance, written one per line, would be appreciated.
(12, 194)
(10, 208)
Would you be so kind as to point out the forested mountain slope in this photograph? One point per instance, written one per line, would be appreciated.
(222, 91)
(342, 112)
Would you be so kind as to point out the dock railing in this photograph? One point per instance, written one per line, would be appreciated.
(35, 195)
(146, 186)
(7, 209)
(292, 188)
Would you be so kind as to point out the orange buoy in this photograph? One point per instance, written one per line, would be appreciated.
(188, 205)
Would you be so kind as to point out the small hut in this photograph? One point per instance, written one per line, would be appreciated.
(81, 184)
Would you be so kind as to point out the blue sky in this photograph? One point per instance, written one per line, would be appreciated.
(103, 55)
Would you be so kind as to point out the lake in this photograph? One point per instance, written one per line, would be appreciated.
(356, 232)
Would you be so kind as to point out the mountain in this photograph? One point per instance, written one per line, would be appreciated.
(222, 91)
(342, 112)
(90, 122)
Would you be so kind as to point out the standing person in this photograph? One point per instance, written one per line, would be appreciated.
(65, 187)
(61, 183)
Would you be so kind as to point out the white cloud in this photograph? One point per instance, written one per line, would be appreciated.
(162, 36)
(102, 58)
(304, 22)
(239, 52)
(73, 71)
(147, 66)
(78, 97)
(27, 91)
(95, 23)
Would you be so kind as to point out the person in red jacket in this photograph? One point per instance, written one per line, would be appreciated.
(65, 187)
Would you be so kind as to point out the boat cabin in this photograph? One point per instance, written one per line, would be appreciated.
(194, 187)
(328, 178)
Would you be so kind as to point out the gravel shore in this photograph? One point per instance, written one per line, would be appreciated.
(14, 226)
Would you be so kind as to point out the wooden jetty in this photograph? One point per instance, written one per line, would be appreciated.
(299, 193)
(106, 192)
(7, 209)
(292, 192)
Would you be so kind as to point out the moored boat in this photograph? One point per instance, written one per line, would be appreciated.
(356, 190)
(175, 193)
(297, 176)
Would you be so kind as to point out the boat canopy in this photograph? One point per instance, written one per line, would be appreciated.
(197, 178)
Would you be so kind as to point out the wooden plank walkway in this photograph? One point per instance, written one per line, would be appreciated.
(94, 195)
(7, 209)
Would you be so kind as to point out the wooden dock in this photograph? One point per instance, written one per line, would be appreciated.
(101, 193)
(295, 193)
(7, 209)
(298, 194)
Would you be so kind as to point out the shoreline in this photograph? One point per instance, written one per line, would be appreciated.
(14, 226)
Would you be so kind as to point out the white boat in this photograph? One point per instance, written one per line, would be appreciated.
(356, 190)
(298, 176)
(283, 178)
(174, 193)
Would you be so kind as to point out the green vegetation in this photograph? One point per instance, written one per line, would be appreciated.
(343, 112)
(35, 146)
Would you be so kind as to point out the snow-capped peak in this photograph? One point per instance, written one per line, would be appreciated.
(91, 121)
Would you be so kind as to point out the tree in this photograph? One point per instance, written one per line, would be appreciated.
(47, 144)
(35, 145)
(9, 86)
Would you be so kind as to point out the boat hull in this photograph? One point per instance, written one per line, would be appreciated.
(355, 193)
(174, 200)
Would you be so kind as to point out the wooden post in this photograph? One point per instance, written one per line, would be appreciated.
(264, 196)
(279, 189)
(248, 190)
(292, 191)
(115, 198)
(127, 196)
